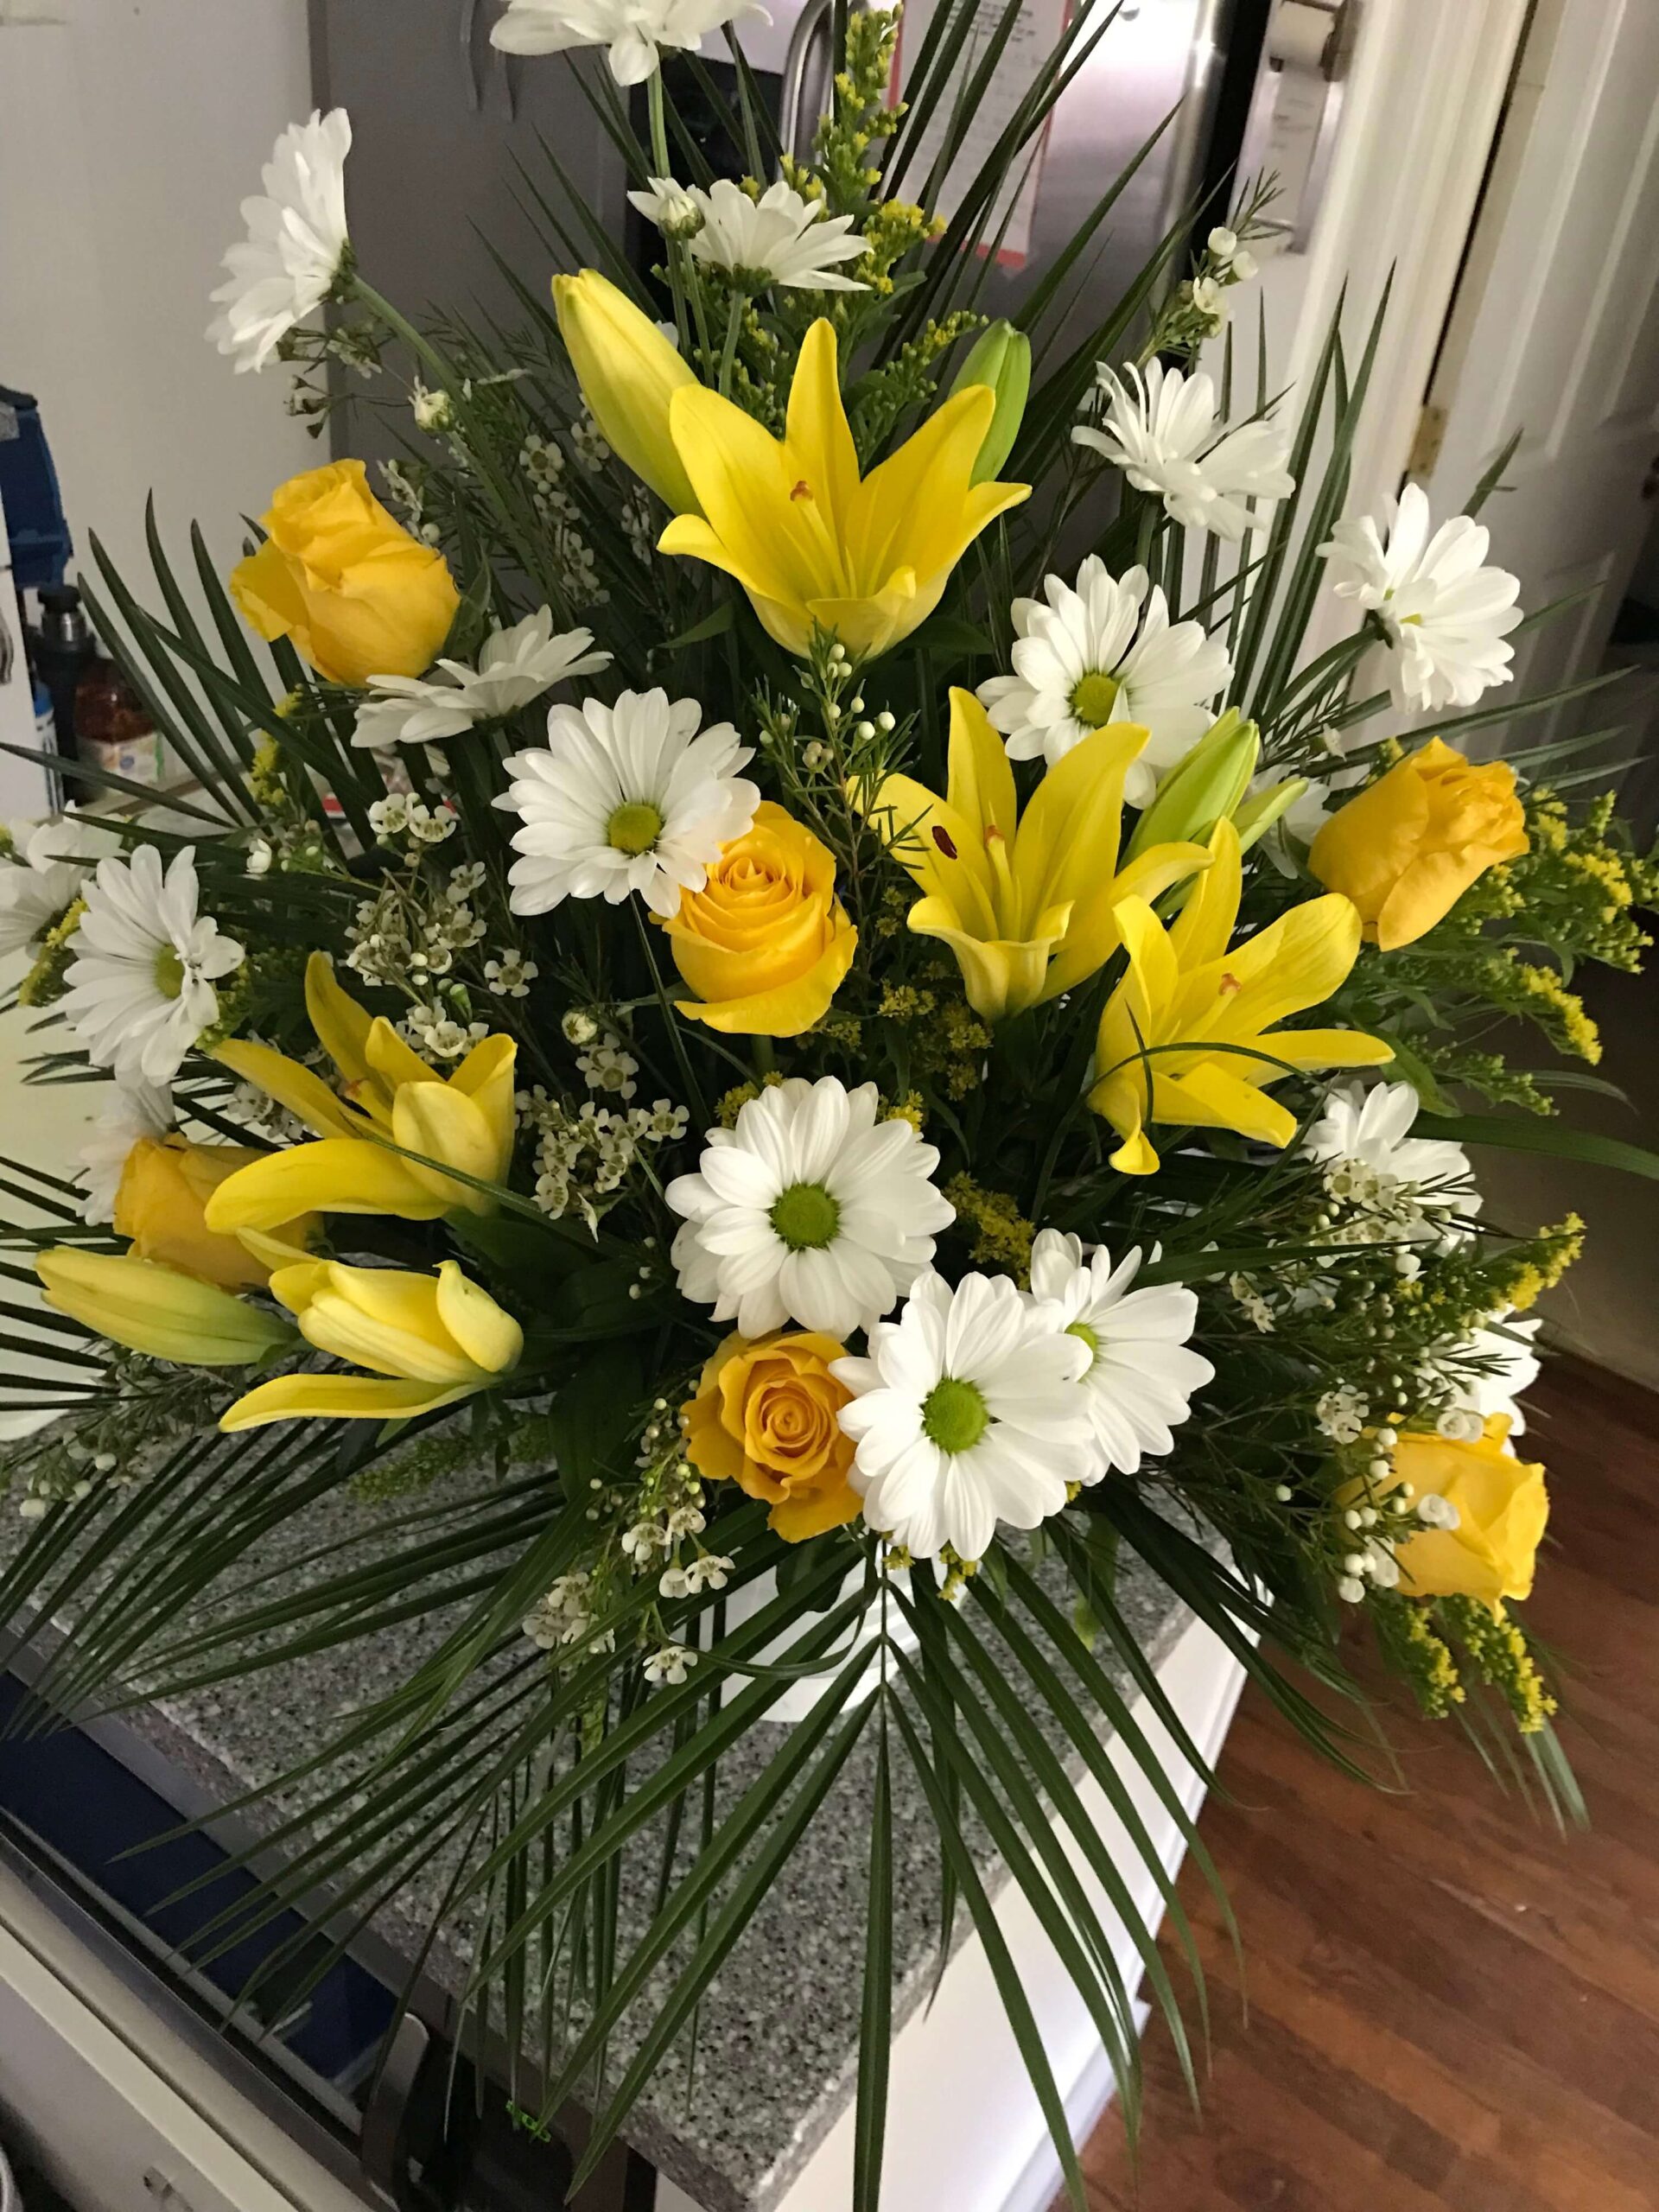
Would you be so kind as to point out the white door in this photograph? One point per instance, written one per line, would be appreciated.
(1554, 331)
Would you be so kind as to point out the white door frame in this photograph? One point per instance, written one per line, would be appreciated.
(1423, 98)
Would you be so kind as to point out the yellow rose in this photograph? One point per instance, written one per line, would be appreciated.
(765, 943)
(765, 1417)
(346, 581)
(1502, 1506)
(1408, 847)
(161, 1204)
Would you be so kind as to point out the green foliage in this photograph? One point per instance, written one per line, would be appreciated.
(561, 1742)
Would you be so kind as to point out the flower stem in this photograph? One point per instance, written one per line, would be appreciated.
(734, 330)
(450, 381)
(694, 1097)
(674, 251)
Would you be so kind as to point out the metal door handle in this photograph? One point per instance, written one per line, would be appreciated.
(813, 21)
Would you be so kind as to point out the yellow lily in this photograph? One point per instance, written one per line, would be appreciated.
(156, 1310)
(1189, 986)
(428, 1342)
(1027, 903)
(808, 539)
(465, 1120)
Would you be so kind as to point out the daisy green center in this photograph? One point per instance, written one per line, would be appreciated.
(1085, 1335)
(805, 1216)
(955, 1415)
(169, 972)
(1094, 698)
(634, 828)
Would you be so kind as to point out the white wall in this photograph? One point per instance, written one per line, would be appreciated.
(130, 133)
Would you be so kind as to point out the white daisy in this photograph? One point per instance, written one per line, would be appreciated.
(1444, 613)
(1493, 1366)
(679, 210)
(810, 1209)
(969, 1410)
(624, 799)
(1104, 650)
(634, 30)
(40, 875)
(140, 987)
(514, 667)
(1370, 1130)
(1140, 1373)
(292, 256)
(1162, 431)
(779, 239)
(132, 1111)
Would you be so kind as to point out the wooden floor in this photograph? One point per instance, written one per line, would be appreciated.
(1450, 2004)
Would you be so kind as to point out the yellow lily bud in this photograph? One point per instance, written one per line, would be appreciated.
(428, 1340)
(628, 373)
(465, 1120)
(156, 1310)
(1000, 360)
(161, 1205)
(1257, 815)
(1203, 787)
(353, 591)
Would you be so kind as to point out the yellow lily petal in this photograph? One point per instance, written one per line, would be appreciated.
(1327, 1048)
(999, 976)
(335, 1175)
(386, 1320)
(767, 535)
(296, 1285)
(440, 1123)
(1094, 935)
(392, 1058)
(488, 1335)
(1204, 928)
(1135, 1155)
(487, 1077)
(1069, 834)
(817, 435)
(1296, 962)
(341, 1026)
(1211, 1096)
(914, 507)
(693, 539)
(334, 1397)
(979, 779)
(940, 849)
(877, 620)
(303, 1092)
(278, 1253)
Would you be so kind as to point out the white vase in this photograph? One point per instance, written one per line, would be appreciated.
(801, 1696)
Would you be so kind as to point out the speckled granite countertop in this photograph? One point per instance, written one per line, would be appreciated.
(777, 2036)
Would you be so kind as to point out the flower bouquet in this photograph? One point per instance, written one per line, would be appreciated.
(775, 946)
